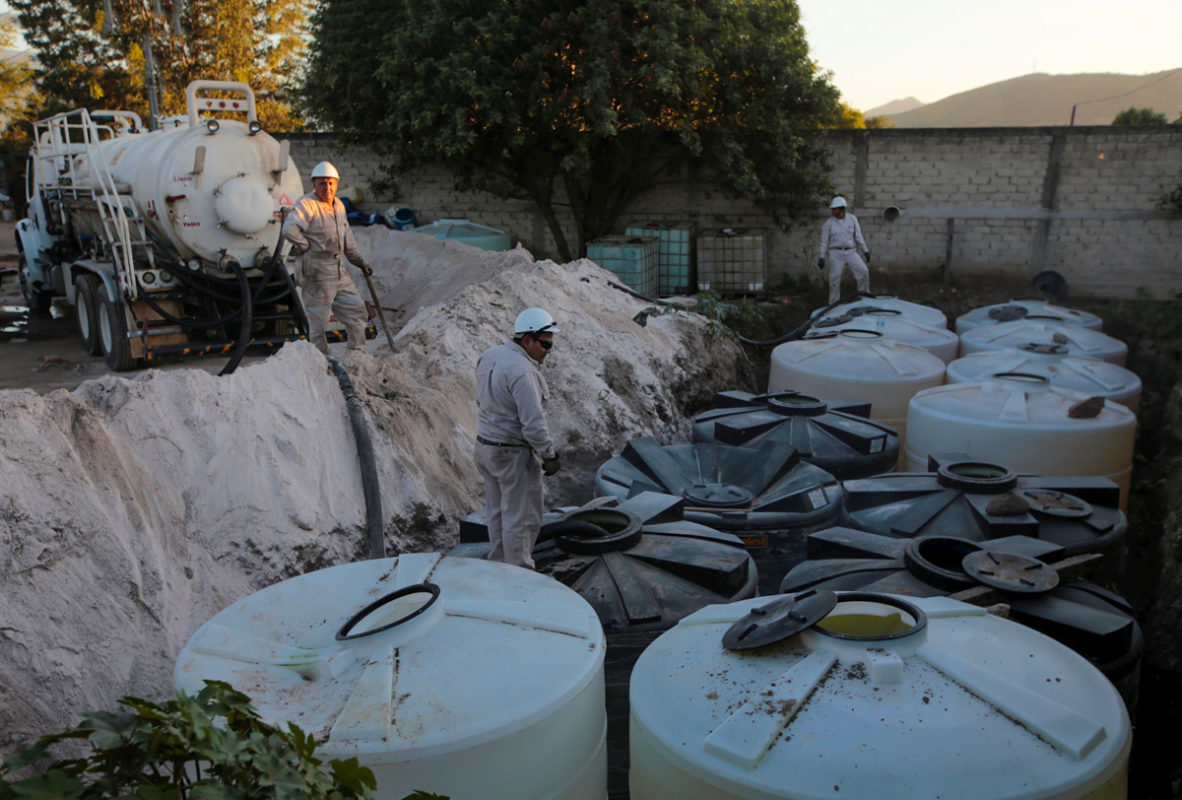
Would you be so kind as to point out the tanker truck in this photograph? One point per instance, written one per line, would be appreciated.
(165, 242)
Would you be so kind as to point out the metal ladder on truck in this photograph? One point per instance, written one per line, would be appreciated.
(75, 133)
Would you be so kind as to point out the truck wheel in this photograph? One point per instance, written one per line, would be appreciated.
(112, 327)
(87, 290)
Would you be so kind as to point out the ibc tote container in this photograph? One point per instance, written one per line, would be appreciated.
(732, 262)
(675, 257)
(632, 258)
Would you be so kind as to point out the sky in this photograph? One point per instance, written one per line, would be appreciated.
(883, 50)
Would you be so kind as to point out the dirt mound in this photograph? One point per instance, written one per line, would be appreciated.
(133, 510)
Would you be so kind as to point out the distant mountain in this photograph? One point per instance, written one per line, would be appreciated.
(1041, 99)
(894, 107)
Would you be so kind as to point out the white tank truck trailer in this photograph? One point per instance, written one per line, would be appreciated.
(165, 242)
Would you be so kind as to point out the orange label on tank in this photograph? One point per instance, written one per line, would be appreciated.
(284, 200)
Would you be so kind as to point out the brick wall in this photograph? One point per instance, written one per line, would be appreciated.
(974, 202)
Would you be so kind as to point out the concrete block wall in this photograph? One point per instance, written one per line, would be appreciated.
(974, 202)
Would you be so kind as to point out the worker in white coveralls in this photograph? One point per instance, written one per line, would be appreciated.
(510, 430)
(841, 238)
(319, 231)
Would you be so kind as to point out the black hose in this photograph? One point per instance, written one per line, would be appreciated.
(365, 454)
(247, 319)
(801, 330)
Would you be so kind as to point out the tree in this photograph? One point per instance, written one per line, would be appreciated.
(850, 117)
(1139, 116)
(17, 95)
(582, 103)
(92, 52)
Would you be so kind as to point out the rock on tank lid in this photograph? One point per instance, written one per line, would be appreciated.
(409, 657)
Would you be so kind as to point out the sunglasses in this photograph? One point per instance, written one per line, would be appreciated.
(545, 344)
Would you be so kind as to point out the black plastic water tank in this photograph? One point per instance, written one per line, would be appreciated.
(643, 567)
(767, 495)
(835, 435)
(966, 498)
(640, 563)
(1096, 623)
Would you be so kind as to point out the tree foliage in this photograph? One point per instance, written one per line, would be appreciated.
(17, 95)
(587, 104)
(850, 117)
(1139, 116)
(91, 57)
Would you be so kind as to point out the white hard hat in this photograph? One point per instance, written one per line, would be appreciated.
(838, 202)
(325, 170)
(534, 320)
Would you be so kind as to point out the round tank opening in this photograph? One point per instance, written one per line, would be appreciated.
(865, 616)
(976, 476)
(938, 560)
(794, 403)
(392, 610)
(1045, 317)
(857, 334)
(718, 495)
(595, 531)
(882, 312)
(1023, 377)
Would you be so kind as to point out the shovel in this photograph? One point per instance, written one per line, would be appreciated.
(378, 305)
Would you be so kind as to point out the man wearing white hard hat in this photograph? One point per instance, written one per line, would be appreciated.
(510, 429)
(841, 238)
(319, 231)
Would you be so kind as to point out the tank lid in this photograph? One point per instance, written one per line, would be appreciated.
(1007, 313)
(780, 619)
(1011, 572)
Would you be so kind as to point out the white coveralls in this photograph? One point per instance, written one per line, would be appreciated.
(323, 237)
(510, 428)
(840, 241)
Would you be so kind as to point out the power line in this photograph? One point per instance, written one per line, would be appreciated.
(1123, 94)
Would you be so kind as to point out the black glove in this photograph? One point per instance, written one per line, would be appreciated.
(366, 269)
(820, 263)
(550, 465)
(867, 256)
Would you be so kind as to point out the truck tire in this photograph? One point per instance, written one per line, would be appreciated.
(112, 326)
(87, 293)
(35, 300)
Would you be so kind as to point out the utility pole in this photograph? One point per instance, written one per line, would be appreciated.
(152, 83)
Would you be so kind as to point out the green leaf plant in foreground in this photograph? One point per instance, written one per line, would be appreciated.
(208, 746)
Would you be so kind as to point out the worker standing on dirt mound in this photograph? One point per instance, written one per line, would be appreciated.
(319, 231)
(510, 429)
(841, 238)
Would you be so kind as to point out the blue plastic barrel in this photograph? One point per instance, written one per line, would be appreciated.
(405, 219)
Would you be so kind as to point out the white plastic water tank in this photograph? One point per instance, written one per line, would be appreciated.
(1024, 423)
(1055, 363)
(885, 699)
(859, 365)
(1078, 340)
(939, 341)
(456, 676)
(1026, 309)
(916, 312)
